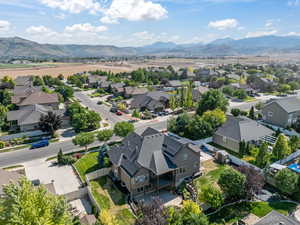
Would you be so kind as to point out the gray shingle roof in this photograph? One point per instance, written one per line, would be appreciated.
(39, 97)
(152, 150)
(291, 104)
(243, 128)
(175, 83)
(275, 218)
(150, 100)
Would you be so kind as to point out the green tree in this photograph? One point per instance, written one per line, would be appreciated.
(284, 88)
(122, 129)
(287, 181)
(235, 112)
(232, 183)
(198, 128)
(60, 156)
(5, 97)
(25, 204)
(66, 91)
(215, 117)
(84, 139)
(173, 103)
(241, 94)
(281, 148)
(211, 100)
(263, 157)
(294, 143)
(136, 114)
(105, 135)
(213, 196)
(179, 125)
(3, 114)
(252, 113)
(50, 122)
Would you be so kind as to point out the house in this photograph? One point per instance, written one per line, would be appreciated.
(134, 91)
(21, 92)
(263, 84)
(282, 112)
(28, 118)
(153, 161)
(233, 76)
(7, 177)
(36, 97)
(94, 81)
(173, 84)
(117, 88)
(24, 81)
(272, 218)
(197, 92)
(238, 129)
(105, 85)
(152, 101)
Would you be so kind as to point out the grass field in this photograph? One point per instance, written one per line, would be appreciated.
(16, 66)
(87, 164)
(110, 198)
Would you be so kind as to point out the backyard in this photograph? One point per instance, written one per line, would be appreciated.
(87, 164)
(110, 197)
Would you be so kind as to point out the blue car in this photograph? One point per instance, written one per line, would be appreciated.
(40, 144)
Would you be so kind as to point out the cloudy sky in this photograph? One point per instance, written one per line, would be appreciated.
(141, 22)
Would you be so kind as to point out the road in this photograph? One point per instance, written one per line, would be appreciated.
(25, 155)
(103, 110)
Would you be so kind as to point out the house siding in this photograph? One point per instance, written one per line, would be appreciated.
(274, 114)
(226, 142)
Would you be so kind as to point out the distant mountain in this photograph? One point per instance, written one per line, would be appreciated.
(266, 45)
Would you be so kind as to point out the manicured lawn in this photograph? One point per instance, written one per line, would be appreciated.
(87, 164)
(125, 217)
(234, 213)
(100, 197)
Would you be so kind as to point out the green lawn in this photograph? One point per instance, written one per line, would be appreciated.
(110, 198)
(234, 213)
(87, 164)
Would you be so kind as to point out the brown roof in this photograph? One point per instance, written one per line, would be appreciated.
(39, 98)
(88, 220)
(6, 177)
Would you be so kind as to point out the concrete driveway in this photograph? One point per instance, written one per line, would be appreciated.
(63, 177)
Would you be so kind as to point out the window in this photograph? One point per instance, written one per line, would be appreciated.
(270, 114)
(224, 139)
(185, 156)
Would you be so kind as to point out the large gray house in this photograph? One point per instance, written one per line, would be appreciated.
(238, 129)
(153, 161)
(282, 112)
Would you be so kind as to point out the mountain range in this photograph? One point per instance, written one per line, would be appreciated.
(16, 47)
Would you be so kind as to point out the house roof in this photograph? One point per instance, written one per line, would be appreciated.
(39, 97)
(88, 220)
(23, 80)
(174, 83)
(96, 78)
(275, 218)
(135, 90)
(21, 92)
(150, 99)
(31, 114)
(6, 177)
(290, 104)
(243, 128)
(151, 150)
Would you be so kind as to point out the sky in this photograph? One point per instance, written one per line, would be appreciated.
(143, 22)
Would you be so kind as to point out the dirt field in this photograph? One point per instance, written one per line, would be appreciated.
(65, 69)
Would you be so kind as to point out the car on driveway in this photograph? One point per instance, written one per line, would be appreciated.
(40, 144)
(119, 113)
(113, 110)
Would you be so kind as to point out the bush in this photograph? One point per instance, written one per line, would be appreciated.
(2, 144)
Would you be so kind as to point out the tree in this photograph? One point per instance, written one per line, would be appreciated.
(179, 125)
(84, 139)
(281, 148)
(211, 100)
(3, 114)
(66, 91)
(284, 88)
(105, 135)
(136, 114)
(60, 156)
(215, 117)
(213, 196)
(263, 157)
(191, 213)
(252, 113)
(61, 77)
(50, 122)
(173, 103)
(122, 129)
(242, 148)
(85, 120)
(235, 112)
(241, 94)
(287, 181)
(198, 128)
(294, 143)
(254, 180)
(107, 219)
(153, 213)
(296, 125)
(232, 183)
(5, 97)
(25, 204)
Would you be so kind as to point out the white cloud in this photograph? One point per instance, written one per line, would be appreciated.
(4, 25)
(85, 27)
(38, 30)
(293, 34)
(60, 16)
(74, 6)
(224, 24)
(261, 33)
(294, 3)
(133, 10)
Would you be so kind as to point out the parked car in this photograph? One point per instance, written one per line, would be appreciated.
(113, 110)
(40, 144)
(132, 121)
(119, 113)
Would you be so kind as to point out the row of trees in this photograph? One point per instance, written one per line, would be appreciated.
(183, 98)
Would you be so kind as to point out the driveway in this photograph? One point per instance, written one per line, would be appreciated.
(63, 177)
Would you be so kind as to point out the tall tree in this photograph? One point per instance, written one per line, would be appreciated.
(105, 135)
(25, 204)
(287, 181)
(232, 183)
(173, 103)
(122, 129)
(215, 117)
(3, 114)
(211, 100)
(294, 143)
(84, 139)
(213, 196)
(50, 123)
(281, 148)
(252, 113)
(263, 157)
